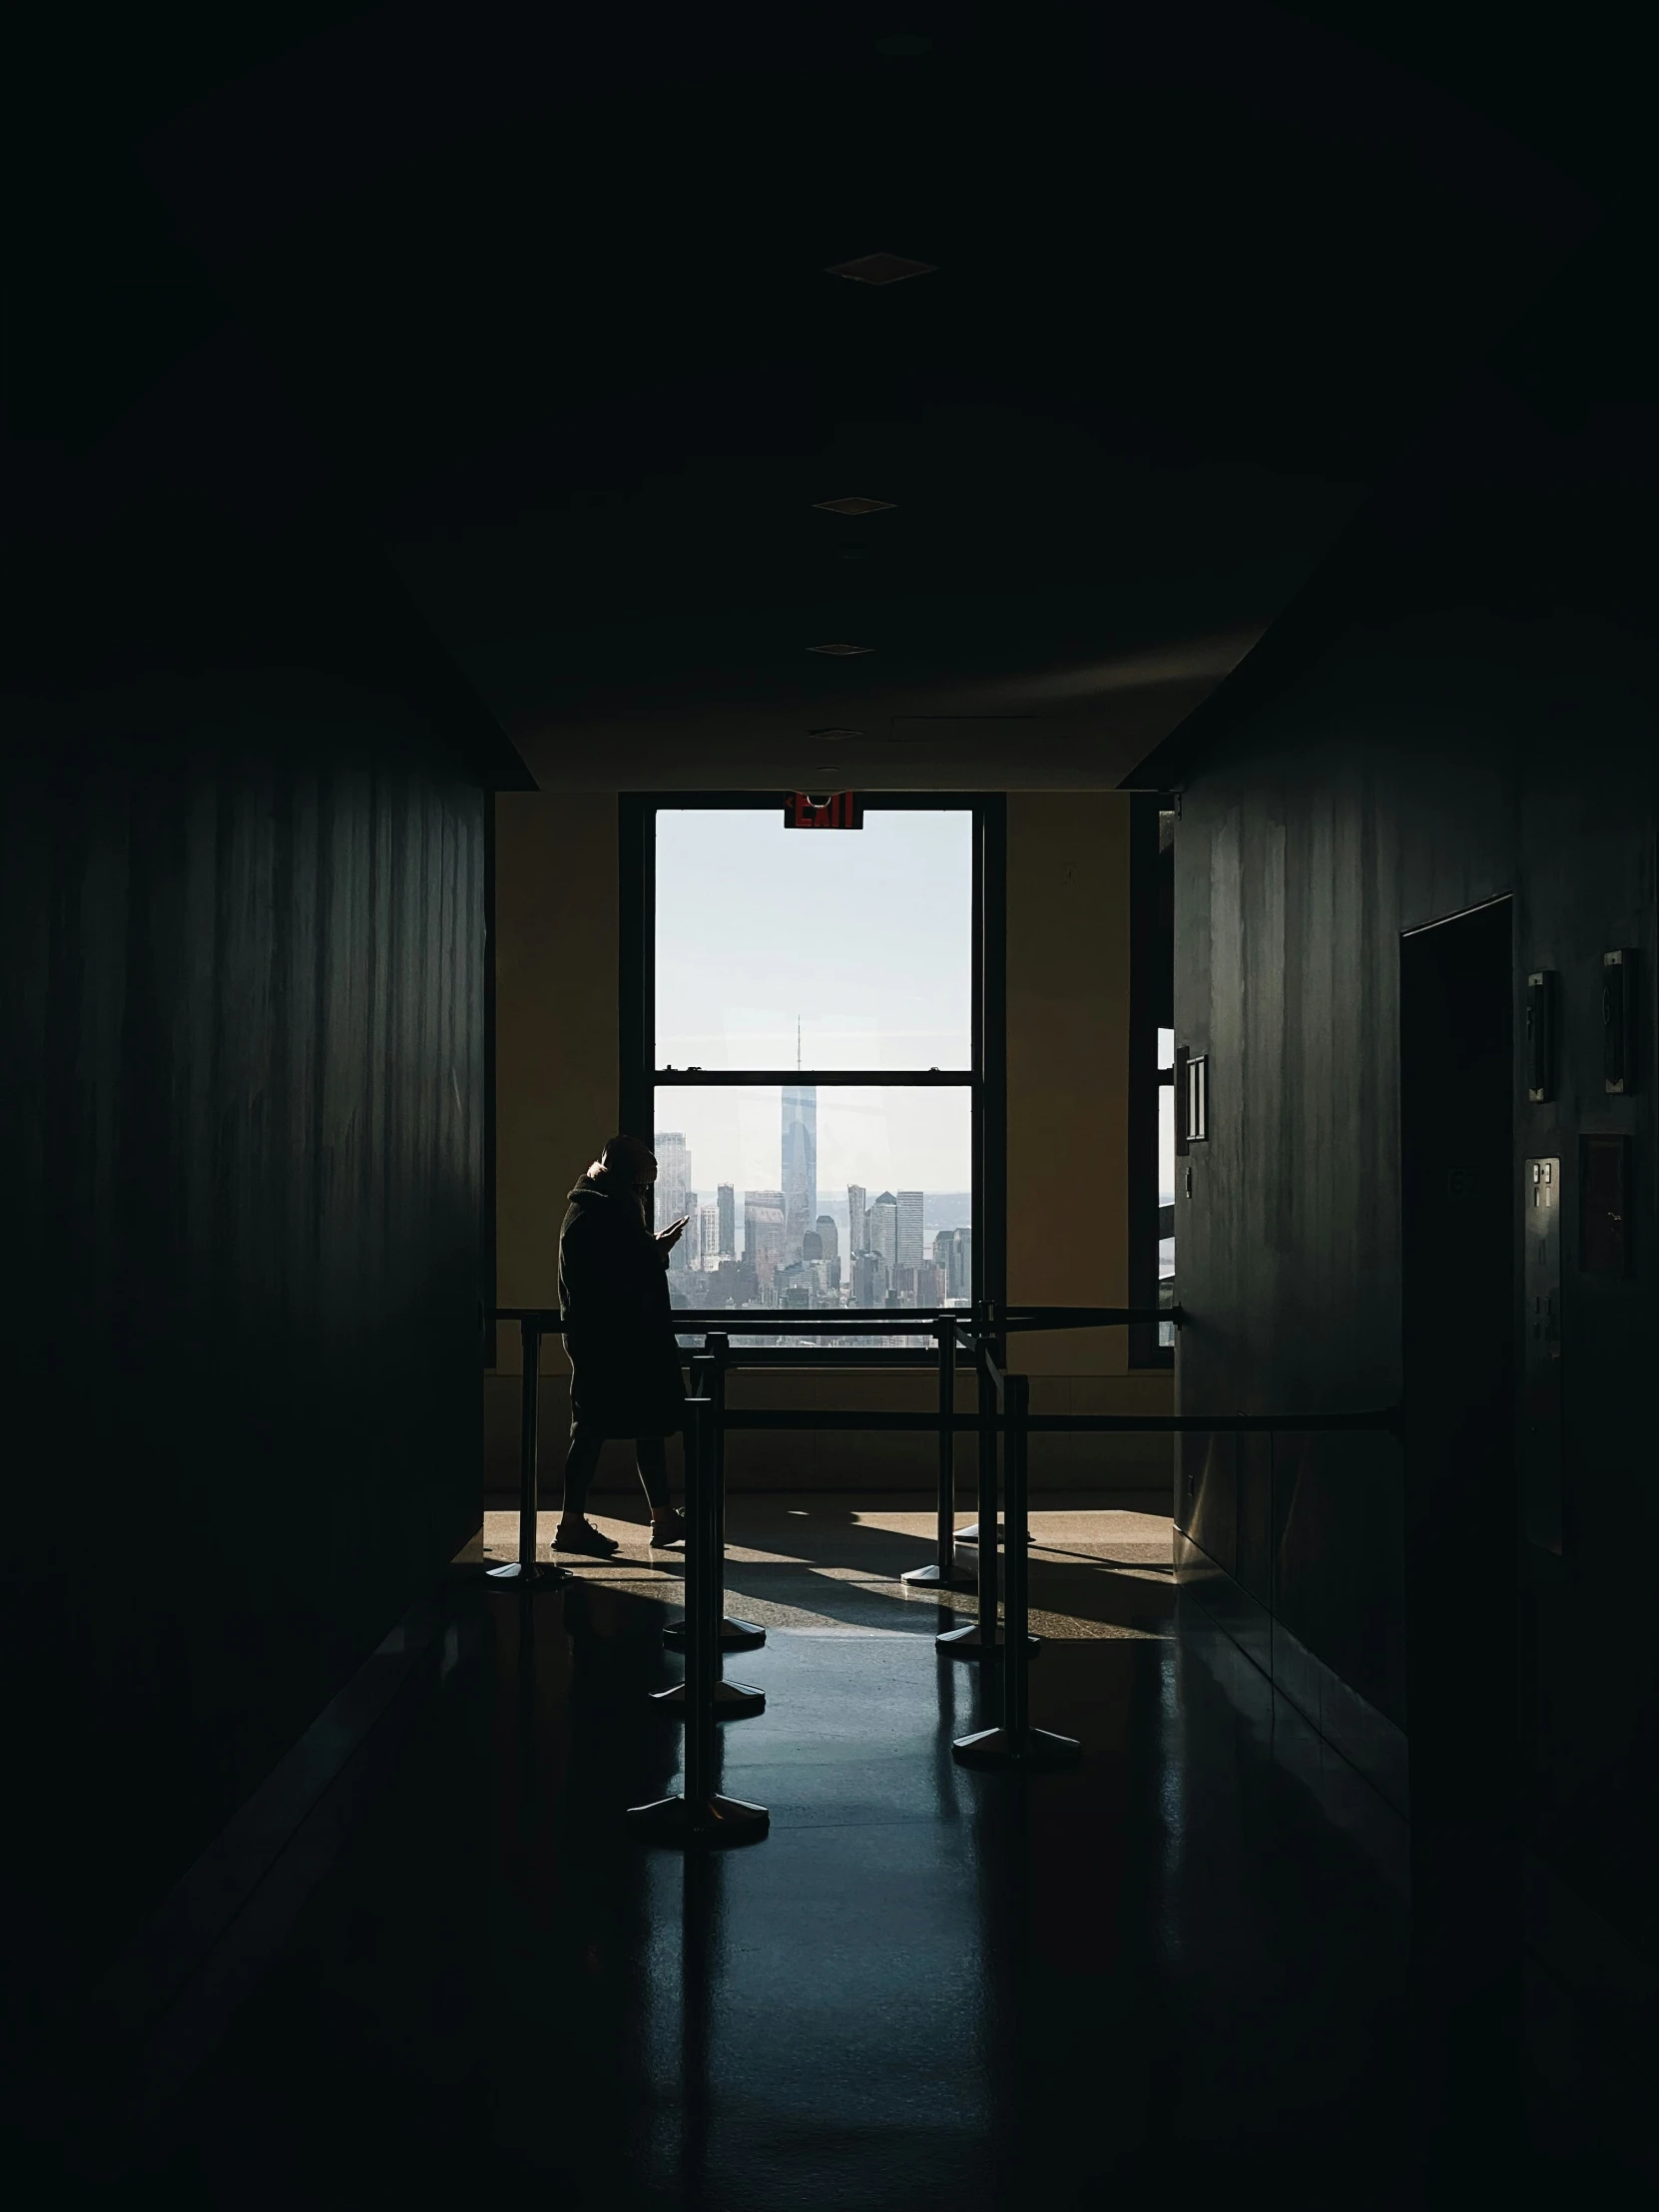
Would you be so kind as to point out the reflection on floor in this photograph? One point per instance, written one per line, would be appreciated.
(1180, 1968)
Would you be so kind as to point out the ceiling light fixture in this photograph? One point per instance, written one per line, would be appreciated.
(853, 506)
(879, 269)
(841, 649)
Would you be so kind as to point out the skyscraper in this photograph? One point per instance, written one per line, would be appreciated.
(830, 1238)
(953, 1253)
(883, 1229)
(909, 1229)
(763, 1233)
(870, 1280)
(800, 1164)
(858, 1226)
(707, 1225)
(673, 1174)
(727, 1200)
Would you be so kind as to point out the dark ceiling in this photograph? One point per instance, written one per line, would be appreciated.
(537, 306)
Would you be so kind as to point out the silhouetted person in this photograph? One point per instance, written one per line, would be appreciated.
(619, 1333)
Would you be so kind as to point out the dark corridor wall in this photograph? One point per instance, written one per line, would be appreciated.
(243, 1127)
(1467, 711)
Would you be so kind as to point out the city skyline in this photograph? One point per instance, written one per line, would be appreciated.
(791, 1249)
(916, 1137)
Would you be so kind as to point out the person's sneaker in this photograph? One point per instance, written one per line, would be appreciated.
(670, 1531)
(581, 1535)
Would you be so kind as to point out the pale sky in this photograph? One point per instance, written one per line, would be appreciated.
(864, 936)
(861, 934)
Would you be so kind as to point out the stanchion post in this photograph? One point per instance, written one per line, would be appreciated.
(943, 1572)
(703, 1606)
(734, 1635)
(1016, 1743)
(733, 1701)
(701, 1814)
(524, 1570)
(1016, 1657)
(978, 1638)
(990, 1449)
(947, 1448)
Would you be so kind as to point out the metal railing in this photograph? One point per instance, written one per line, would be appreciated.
(1003, 1423)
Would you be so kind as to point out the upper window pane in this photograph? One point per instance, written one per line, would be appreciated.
(862, 937)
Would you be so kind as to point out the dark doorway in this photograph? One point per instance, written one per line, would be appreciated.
(1463, 1520)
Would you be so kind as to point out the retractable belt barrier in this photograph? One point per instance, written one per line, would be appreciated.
(1003, 1423)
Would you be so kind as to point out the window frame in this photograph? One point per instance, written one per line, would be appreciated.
(985, 1078)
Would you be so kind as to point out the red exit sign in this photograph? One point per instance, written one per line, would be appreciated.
(840, 810)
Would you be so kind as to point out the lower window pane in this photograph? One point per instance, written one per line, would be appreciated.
(818, 1199)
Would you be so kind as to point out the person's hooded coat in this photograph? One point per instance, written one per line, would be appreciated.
(618, 1327)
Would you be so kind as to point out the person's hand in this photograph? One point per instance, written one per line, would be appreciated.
(668, 1238)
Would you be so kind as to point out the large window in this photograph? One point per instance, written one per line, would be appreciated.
(807, 1029)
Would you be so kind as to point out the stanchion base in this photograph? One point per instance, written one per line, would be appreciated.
(970, 1534)
(734, 1701)
(537, 1577)
(967, 1643)
(734, 1636)
(930, 1578)
(994, 1747)
(717, 1822)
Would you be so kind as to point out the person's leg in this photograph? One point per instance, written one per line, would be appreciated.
(575, 1532)
(651, 1457)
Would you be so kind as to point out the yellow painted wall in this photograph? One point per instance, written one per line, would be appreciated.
(1068, 978)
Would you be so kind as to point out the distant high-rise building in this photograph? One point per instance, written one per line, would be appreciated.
(904, 1287)
(870, 1280)
(726, 1198)
(953, 1256)
(857, 1226)
(800, 1134)
(828, 1237)
(883, 1229)
(763, 1233)
(812, 1246)
(909, 1229)
(707, 1225)
(673, 1174)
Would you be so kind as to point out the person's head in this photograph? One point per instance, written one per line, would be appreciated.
(627, 1164)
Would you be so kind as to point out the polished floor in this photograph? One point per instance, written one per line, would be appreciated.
(1179, 1969)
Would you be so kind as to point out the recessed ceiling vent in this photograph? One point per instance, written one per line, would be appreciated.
(879, 269)
(853, 506)
(841, 649)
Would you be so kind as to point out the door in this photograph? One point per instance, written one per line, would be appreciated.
(1462, 1555)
